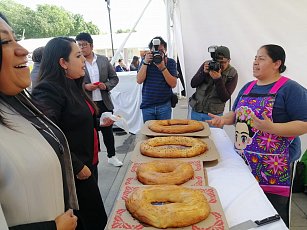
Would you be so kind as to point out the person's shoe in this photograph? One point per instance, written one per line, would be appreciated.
(114, 161)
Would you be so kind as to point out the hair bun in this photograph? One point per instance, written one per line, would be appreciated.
(282, 68)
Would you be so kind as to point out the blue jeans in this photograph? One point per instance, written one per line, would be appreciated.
(201, 116)
(159, 112)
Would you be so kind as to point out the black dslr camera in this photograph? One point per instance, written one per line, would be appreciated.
(156, 56)
(213, 64)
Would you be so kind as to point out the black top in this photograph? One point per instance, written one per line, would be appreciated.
(71, 115)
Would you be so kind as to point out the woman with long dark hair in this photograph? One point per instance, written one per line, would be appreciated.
(61, 93)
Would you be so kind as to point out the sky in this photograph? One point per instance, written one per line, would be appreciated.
(124, 13)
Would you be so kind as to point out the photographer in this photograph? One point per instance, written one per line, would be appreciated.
(215, 81)
(158, 74)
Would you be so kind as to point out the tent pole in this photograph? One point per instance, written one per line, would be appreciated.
(115, 57)
(109, 11)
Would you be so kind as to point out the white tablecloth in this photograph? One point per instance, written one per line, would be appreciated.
(241, 196)
(126, 97)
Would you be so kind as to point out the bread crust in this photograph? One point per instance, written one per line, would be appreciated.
(175, 126)
(181, 206)
(173, 147)
(172, 172)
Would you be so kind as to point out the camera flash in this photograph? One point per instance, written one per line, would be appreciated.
(212, 49)
(156, 42)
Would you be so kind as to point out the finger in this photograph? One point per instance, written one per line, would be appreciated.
(70, 212)
(255, 118)
(265, 117)
(209, 122)
(212, 115)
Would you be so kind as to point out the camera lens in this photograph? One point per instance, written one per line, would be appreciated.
(157, 58)
(214, 65)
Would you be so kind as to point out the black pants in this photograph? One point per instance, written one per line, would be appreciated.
(95, 172)
(107, 132)
(92, 215)
(281, 204)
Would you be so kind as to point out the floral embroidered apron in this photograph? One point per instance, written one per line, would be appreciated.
(266, 154)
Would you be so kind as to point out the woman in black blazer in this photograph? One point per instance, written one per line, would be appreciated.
(60, 92)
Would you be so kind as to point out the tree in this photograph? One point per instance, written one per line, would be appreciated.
(11, 10)
(81, 26)
(57, 21)
(46, 21)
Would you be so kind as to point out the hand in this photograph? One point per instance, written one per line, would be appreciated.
(206, 67)
(107, 122)
(265, 125)
(91, 87)
(161, 65)
(102, 86)
(215, 74)
(84, 173)
(148, 57)
(66, 221)
(216, 121)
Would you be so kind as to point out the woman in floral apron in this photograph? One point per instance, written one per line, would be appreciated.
(269, 114)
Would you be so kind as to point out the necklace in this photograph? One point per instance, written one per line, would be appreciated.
(46, 129)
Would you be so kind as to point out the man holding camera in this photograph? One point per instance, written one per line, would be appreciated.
(214, 81)
(158, 74)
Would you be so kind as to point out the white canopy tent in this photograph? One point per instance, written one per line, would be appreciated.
(243, 26)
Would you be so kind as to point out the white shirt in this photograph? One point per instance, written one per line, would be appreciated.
(93, 71)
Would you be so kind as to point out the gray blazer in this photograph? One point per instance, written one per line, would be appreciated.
(108, 76)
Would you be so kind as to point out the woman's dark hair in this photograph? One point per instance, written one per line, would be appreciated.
(2, 97)
(51, 70)
(37, 54)
(7, 22)
(55, 49)
(162, 42)
(276, 53)
(135, 61)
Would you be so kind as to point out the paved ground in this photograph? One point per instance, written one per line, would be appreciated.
(110, 177)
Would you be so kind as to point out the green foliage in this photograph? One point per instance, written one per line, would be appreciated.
(45, 21)
(79, 25)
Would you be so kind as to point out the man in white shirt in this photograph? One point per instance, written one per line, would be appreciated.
(100, 78)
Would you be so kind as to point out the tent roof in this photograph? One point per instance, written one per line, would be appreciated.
(136, 40)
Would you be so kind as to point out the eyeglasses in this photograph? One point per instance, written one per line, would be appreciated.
(83, 45)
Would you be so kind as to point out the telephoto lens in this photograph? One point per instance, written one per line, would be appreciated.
(157, 58)
(214, 65)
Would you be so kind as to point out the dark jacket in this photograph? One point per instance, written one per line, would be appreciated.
(71, 118)
(68, 108)
(212, 94)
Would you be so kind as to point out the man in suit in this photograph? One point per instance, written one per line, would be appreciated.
(100, 78)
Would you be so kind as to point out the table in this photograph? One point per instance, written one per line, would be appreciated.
(126, 97)
(241, 196)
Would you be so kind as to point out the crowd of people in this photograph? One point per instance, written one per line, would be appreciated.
(56, 125)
